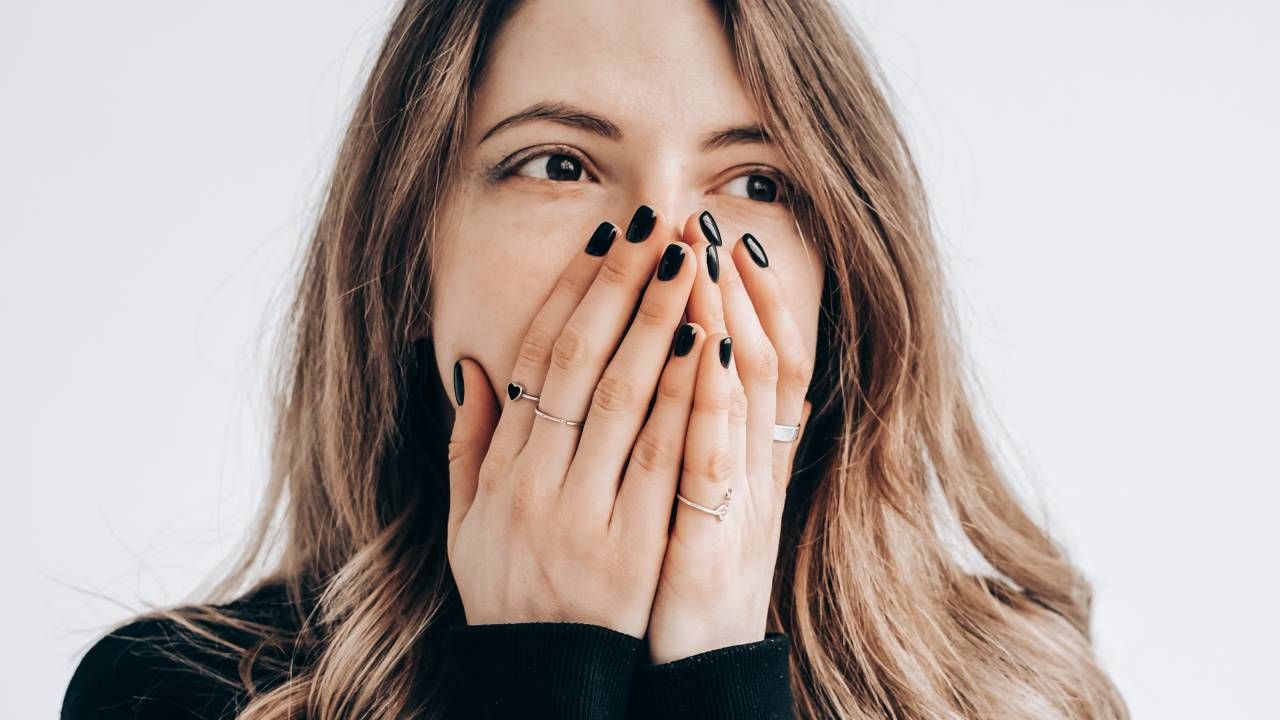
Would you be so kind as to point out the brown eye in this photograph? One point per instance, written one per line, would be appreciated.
(556, 166)
(756, 186)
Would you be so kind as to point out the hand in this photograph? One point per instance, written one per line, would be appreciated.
(717, 575)
(543, 524)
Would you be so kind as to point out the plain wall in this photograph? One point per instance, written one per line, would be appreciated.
(1103, 177)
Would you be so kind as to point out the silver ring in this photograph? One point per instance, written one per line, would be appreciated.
(786, 433)
(719, 511)
(515, 391)
(571, 423)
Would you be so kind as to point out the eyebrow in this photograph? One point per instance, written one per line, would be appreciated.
(581, 119)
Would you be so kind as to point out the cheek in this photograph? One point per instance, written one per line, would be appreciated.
(800, 273)
(495, 273)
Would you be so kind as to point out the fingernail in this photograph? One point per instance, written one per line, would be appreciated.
(641, 224)
(671, 260)
(755, 250)
(602, 238)
(713, 263)
(684, 339)
(726, 351)
(709, 228)
(458, 389)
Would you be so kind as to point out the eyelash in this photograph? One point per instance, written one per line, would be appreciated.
(507, 168)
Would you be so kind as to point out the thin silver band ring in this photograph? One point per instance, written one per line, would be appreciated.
(571, 423)
(719, 511)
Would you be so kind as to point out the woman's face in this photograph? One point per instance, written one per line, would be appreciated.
(644, 91)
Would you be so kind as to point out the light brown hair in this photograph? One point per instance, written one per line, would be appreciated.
(886, 619)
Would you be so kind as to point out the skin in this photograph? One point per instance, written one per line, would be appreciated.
(556, 523)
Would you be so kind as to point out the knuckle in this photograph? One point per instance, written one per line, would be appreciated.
(732, 280)
(764, 361)
(716, 466)
(738, 404)
(670, 389)
(716, 401)
(799, 371)
(570, 349)
(459, 449)
(715, 316)
(612, 272)
(650, 454)
(652, 313)
(613, 394)
(518, 510)
(572, 285)
(535, 351)
(492, 467)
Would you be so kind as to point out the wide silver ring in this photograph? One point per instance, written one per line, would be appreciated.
(786, 433)
(571, 423)
(719, 511)
(515, 391)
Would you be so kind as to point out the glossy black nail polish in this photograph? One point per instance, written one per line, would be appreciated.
(602, 238)
(713, 263)
(458, 389)
(684, 340)
(755, 250)
(709, 228)
(726, 351)
(671, 260)
(641, 224)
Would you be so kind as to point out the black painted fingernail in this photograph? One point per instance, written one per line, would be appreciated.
(641, 224)
(684, 339)
(726, 351)
(709, 228)
(671, 260)
(755, 250)
(602, 238)
(713, 263)
(458, 389)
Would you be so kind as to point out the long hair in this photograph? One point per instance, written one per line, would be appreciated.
(887, 618)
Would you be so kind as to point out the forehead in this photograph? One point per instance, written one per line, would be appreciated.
(651, 66)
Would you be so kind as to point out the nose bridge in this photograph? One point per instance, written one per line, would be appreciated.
(662, 182)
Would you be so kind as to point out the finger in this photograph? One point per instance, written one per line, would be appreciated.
(705, 305)
(788, 463)
(643, 505)
(621, 398)
(756, 364)
(795, 365)
(708, 468)
(474, 420)
(530, 368)
(589, 339)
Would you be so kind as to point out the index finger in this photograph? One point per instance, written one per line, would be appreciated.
(530, 369)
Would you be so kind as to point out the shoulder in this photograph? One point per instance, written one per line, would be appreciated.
(154, 667)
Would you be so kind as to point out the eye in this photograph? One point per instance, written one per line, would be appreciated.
(557, 165)
(760, 186)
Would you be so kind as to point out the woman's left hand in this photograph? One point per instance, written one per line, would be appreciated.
(717, 575)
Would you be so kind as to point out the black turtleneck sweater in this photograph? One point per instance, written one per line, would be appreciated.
(518, 670)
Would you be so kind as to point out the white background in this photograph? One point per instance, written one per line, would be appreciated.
(1103, 174)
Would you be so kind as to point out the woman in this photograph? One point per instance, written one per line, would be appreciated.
(624, 386)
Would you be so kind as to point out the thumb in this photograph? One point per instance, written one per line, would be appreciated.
(475, 417)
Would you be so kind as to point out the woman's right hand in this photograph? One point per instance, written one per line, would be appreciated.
(554, 523)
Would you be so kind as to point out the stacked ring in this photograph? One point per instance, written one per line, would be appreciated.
(516, 391)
